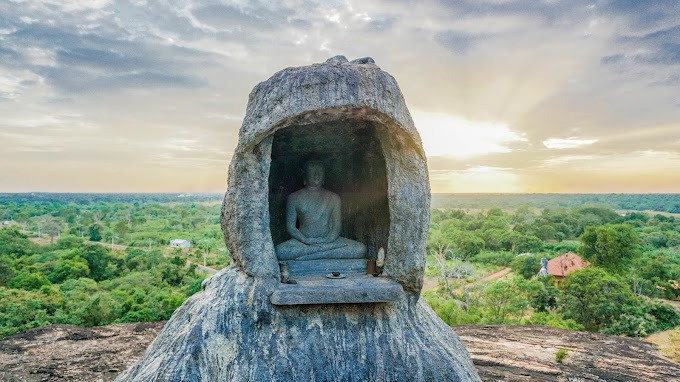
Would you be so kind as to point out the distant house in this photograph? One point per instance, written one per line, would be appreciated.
(562, 265)
(5, 223)
(180, 243)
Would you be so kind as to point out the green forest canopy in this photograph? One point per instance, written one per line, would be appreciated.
(635, 257)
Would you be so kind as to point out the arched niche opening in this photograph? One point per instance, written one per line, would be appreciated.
(355, 169)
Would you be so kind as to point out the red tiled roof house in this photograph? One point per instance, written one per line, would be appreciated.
(562, 265)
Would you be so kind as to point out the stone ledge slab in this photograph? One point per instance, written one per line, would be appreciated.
(351, 290)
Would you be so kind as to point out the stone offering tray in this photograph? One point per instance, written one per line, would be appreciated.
(355, 289)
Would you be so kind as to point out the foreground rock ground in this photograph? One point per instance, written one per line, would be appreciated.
(72, 353)
(500, 353)
(527, 353)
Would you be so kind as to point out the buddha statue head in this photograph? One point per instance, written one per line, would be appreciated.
(313, 173)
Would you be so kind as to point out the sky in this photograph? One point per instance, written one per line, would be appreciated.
(508, 96)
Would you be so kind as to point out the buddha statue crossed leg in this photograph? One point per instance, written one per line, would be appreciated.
(313, 219)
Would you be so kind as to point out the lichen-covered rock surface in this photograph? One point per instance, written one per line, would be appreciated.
(500, 353)
(230, 332)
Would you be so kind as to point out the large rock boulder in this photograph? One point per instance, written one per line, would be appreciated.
(231, 332)
(353, 115)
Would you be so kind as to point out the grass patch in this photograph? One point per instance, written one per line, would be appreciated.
(561, 355)
(668, 342)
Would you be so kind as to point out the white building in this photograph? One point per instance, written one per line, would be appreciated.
(180, 243)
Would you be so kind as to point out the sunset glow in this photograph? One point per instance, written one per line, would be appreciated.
(445, 135)
(510, 96)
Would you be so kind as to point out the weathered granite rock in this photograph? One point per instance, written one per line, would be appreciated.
(322, 290)
(527, 354)
(231, 332)
(355, 113)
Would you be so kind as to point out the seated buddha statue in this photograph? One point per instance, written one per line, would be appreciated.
(313, 219)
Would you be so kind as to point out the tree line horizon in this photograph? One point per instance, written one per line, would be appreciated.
(661, 202)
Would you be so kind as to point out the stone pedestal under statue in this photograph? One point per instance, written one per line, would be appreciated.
(324, 319)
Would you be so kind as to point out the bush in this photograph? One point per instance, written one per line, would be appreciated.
(7, 271)
(527, 265)
(470, 245)
(664, 315)
(527, 243)
(95, 232)
(505, 301)
(561, 247)
(656, 272)
(654, 239)
(611, 246)
(594, 298)
(554, 320)
(15, 244)
(631, 325)
(84, 309)
(493, 239)
(449, 311)
(69, 269)
(561, 355)
(545, 298)
(29, 281)
(21, 310)
(69, 242)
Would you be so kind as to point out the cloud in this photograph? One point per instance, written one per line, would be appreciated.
(381, 23)
(79, 80)
(232, 17)
(612, 59)
(643, 15)
(567, 143)
(659, 47)
(456, 42)
(667, 54)
(98, 54)
(510, 90)
(13, 84)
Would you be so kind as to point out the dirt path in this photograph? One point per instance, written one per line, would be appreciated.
(493, 276)
(202, 267)
(431, 283)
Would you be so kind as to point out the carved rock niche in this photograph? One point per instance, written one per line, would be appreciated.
(354, 169)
